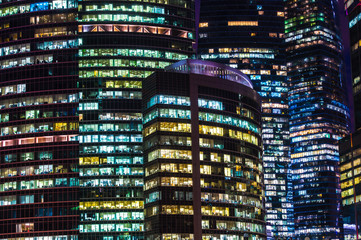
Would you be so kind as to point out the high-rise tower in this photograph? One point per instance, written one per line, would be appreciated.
(318, 115)
(39, 121)
(46, 91)
(202, 154)
(353, 10)
(120, 43)
(249, 36)
(350, 146)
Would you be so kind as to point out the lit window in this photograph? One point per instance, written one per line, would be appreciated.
(242, 23)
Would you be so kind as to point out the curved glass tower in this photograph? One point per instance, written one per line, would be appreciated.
(39, 120)
(202, 154)
(249, 36)
(319, 116)
(120, 43)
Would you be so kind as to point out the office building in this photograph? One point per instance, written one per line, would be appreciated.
(121, 43)
(72, 68)
(202, 154)
(39, 121)
(353, 12)
(350, 170)
(319, 116)
(249, 36)
(350, 146)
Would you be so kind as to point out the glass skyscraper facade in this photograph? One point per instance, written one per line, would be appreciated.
(72, 68)
(39, 121)
(353, 12)
(350, 146)
(318, 116)
(350, 170)
(120, 43)
(249, 35)
(202, 154)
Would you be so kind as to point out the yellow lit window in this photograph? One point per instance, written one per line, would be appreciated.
(242, 23)
(168, 153)
(203, 129)
(151, 129)
(345, 167)
(205, 169)
(175, 127)
(171, 167)
(167, 126)
(347, 193)
(203, 24)
(176, 182)
(242, 187)
(60, 127)
(346, 184)
(215, 211)
(89, 160)
(215, 157)
(357, 180)
(175, 209)
(73, 126)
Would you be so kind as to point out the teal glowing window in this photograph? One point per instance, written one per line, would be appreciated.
(167, 99)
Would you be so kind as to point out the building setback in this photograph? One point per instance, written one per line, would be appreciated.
(249, 36)
(39, 122)
(202, 154)
(318, 116)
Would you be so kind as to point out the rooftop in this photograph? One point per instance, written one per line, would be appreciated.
(212, 69)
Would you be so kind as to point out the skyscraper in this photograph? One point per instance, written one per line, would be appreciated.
(249, 36)
(39, 121)
(350, 146)
(202, 154)
(47, 91)
(319, 116)
(120, 43)
(350, 172)
(353, 10)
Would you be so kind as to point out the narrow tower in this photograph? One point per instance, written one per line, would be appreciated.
(249, 36)
(319, 116)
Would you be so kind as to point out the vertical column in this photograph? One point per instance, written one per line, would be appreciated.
(197, 217)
